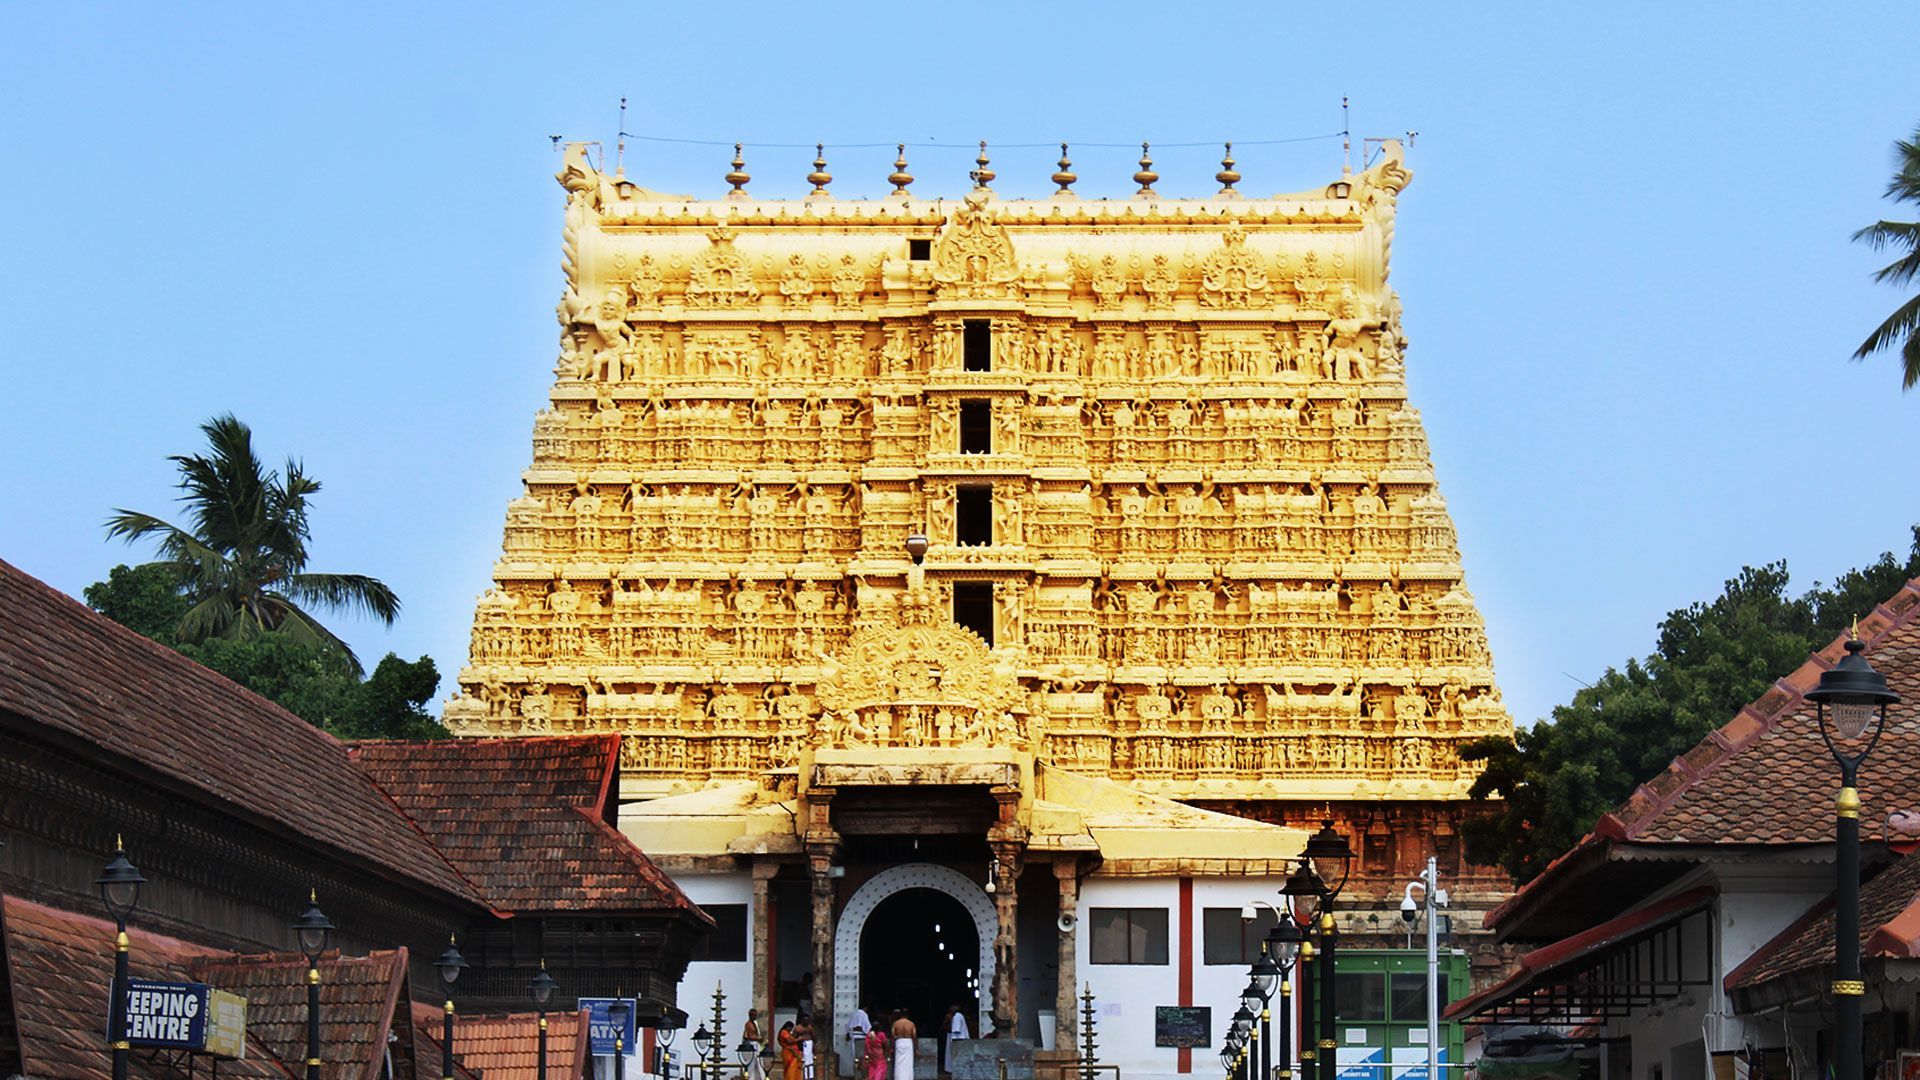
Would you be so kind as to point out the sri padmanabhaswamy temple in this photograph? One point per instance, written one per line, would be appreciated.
(993, 594)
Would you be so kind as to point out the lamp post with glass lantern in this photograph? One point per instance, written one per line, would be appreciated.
(542, 988)
(1332, 858)
(311, 930)
(1262, 978)
(450, 964)
(119, 886)
(1304, 891)
(617, 1012)
(1851, 702)
(1284, 945)
(744, 1054)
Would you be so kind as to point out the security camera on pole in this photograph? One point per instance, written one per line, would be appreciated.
(1433, 897)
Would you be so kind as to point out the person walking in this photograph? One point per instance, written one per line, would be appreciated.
(857, 1025)
(751, 1034)
(903, 1033)
(876, 1050)
(790, 1053)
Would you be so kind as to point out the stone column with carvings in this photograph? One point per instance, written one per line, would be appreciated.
(823, 850)
(761, 993)
(1066, 1006)
(1007, 840)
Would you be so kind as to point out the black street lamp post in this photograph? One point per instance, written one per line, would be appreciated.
(312, 929)
(1851, 702)
(1284, 946)
(744, 1054)
(1252, 1001)
(1331, 856)
(1262, 978)
(1304, 891)
(450, 964)
(617, 1012)
(542, 988)
(119, 886)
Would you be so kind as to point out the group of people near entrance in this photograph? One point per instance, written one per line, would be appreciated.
(880, 1041)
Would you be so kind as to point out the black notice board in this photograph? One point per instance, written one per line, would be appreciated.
(1183, 1025)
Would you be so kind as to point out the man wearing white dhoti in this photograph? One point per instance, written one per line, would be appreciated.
(903, 1035)
(956, 1029)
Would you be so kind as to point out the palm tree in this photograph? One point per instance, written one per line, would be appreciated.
(244, 562)
(1902, 328)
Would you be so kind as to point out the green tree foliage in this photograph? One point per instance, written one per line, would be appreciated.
(145, 599)
(1709, 661)
(243, 563)
(1901, 329)
(318, 686)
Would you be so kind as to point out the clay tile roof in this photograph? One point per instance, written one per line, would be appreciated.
(357, 999)
(77, 676)
(58, 968)
(427, 1048)
(524, 819)
(1765, 776)
(508, 1047)
(1889, 927)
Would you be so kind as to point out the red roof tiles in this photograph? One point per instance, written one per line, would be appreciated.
(82, 676)
(524, 819)
(1889, 927)
(358, 996)
(1765, 776)
(508, 1047)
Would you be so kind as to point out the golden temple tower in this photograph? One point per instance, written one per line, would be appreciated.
(1161, 450)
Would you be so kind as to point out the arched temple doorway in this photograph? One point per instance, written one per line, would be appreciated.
(918, 952)
(901, 960)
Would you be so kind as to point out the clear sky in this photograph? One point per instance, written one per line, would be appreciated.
(1624, 255)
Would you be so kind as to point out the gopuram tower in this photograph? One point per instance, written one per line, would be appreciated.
(1064, 539)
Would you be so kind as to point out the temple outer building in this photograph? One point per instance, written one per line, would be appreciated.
(992, 593)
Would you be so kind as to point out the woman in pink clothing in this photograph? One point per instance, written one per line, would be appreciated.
(877, 1050)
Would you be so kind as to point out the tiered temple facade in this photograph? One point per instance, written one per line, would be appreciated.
(1182, 542)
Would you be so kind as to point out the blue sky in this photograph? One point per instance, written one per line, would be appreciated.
(1624, 256)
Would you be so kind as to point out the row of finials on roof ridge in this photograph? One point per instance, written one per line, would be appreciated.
(983, 175)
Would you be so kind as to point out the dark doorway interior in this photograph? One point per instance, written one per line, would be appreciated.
(904, 965)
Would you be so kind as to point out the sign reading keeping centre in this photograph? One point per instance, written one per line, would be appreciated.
(600, 1029)
(169, 1014)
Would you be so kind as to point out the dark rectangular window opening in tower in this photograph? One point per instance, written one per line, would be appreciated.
(973, 607)
(973, 517)
(919, 250)
(976, 427)
(978, 338)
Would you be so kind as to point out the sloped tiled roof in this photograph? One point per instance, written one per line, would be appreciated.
(524, 820)
(86, 677)
(1765, 776)
(427, 1024)
(358, 996)
(59, 966)
(508, 1047)
(1889, 927)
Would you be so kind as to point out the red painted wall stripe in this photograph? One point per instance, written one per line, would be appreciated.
(1186, 961)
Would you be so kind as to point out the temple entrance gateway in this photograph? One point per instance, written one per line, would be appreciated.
(899, 958)
(918, 952)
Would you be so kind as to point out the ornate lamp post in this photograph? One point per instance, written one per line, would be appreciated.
(1851, 702)
(542, 988)
(119, 886)
(704, 1041)
(1264, 977)
(1332, 858)
(744, 1054)
(1243, 1030)
(1285, 944)
(1255, 1003)
(312, 929)
(1304, 891)
(617, 1012)
(450, 964)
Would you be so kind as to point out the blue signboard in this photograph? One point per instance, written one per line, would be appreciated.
(600, 1029)
(169, 1014)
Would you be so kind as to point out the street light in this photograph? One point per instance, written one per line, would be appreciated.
(1332, 858)
(1852, 700)
(542, 988)
(1261, 980)
(119, 886)
(744, 1054)
(1305, 891)
(1285, 944)
(617, 1011)
(702, 1042)
(311, 930)
(1432, 898)
(450, 964)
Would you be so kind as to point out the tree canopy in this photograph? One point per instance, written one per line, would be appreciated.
(243, 563)
(312, 682)
(1709, 660)
(1901, 330)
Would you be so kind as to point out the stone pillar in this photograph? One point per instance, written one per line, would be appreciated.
(760, 994)
(823, 851)
(1066, 1006)
(1007, 841)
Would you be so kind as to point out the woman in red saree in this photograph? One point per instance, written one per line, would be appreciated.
(877, 1050)
(789, 1053)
